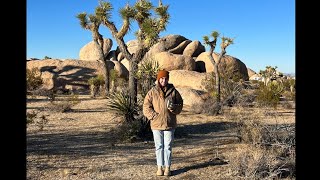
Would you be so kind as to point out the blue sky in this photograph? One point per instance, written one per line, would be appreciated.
(264, 30)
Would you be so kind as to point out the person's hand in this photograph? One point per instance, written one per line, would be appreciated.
(170, 105)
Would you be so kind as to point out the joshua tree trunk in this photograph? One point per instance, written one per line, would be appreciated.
(102, 59)
(133, 86)
(217, 73)
(291, 88)
(217, 77)
(106, 77)
(224, 44)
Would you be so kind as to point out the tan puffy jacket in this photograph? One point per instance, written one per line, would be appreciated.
(155, 107)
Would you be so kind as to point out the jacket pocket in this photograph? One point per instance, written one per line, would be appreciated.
(156, 121)
(155, 117)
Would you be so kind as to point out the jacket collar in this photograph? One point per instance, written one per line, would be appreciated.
(169, 89)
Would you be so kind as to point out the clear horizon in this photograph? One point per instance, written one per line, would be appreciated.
(264, 31)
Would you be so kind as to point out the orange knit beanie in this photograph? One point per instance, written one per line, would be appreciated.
(162, 73)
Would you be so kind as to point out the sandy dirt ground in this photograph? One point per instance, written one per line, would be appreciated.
(79, 145)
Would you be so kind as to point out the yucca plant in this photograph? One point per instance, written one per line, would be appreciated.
(123, 105)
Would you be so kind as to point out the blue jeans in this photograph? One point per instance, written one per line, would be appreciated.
(163, 142)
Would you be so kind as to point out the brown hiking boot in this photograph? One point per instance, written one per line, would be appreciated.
(159, 171)
(167, 171)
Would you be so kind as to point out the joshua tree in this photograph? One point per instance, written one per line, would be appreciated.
(270, 73)
(147, 34)
(224, 44)
(92, 23)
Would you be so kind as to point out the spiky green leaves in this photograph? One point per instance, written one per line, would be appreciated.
(206, 40)
(123, 105)
(143, 8)
(83, 19)
(150, 31)
(103, 11)
(94, 19)
(215, 34)
(148, 69)
(226, 42)
(162, 11)
(127, 12)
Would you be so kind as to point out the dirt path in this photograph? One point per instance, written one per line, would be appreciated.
(79, 145)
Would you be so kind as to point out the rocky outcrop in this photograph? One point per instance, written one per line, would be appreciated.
(191, 96)
(171, 61)
(59, 73)
(166, 43)
(194, 49)
(180, 48)
(232, 64)
(90, 51)
(251, 72)
(185, 78)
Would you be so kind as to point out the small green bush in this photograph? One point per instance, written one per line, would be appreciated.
(64, 106)
(97, 81)
(34, 80)
(96, 85)
(269, 95)
(136, 130)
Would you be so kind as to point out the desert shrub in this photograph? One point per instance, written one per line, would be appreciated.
(47, 57)
(45, 92)
(64, 106)
(113, 77)
(248, 128)
(251, 130)
(269, 95)
(137, 130)
(256, 162)
(34, 118)
(289, 84)
(209, 107)
(231, 85)
(31, 116)
(126, 131)
(97, 80)
(245, 98)
(287, 104)
(96, 85)
(288, 95)
(34, 80)
(271, 148)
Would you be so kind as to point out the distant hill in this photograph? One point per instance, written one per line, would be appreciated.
(290, 74)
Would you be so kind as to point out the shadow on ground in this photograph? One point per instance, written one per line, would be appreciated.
(213, 162)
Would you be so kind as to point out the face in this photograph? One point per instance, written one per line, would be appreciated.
(163, 81)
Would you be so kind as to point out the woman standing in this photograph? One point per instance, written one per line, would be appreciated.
(161, 105)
